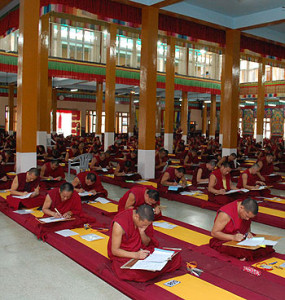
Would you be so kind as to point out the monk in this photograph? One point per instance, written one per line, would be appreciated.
(191, 160)
(267, 168)
(5, 182)
(231, 160)
(89, 182)
(232, 223)
(172, 177)
(126, 170)
(72, 152)
(202, 173)
(249, 180)
(161, 158)
(138, 196)
(131, 236)
(62, 202)
(23, 184)
(100, 162)
(219, 184)
(54, 172)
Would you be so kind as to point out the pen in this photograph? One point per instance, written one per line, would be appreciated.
(57, 211)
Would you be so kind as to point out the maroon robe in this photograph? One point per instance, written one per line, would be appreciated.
(24, 186)
(172, 178)
(131, 241)
(132, 169)
(268, 169)
(138, 192)
(97, 185)
(205, 174)
(221, 199)
(237, 225)
(49, 172)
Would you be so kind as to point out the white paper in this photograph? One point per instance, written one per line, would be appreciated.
(24, 196)
(85, 194)
(104, 170)
(159, 255)
(185, 193)
(149, 266)
(271, 175)
(102, 200)
(274, 199)
(51, 220)
(66, 232)
(165, 225)
(269, 243)
(236, 191)
(255, 241)
(130, 174)
(23, 211)
(91, 237)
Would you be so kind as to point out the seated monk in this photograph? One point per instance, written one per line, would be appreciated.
(172, 177)
(231, 160)
(232, 223)
(54, 172)
(191, 159)
(202, 173)
(132, 156)
(249, 180)
(62, 202)
(23, 184)
(219, 184)
(5, 182)
(72, 153)
(100, 162)
(89, 182)
(161, 158)
(267, 168)
(131, 236)
(138, 196)
(123, 169)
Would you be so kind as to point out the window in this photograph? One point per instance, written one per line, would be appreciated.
(240, 126)
(122, 122)
(161, 56)
(266, 128)
(91, 121)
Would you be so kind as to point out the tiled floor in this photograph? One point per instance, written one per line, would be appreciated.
(31, 269)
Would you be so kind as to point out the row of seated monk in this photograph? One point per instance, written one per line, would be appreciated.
(131, 232)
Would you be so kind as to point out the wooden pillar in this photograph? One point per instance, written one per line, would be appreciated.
(260, 101)
(184, 115)
(169, 95)
(43, 102)
(213, 117)
(149, 34)
(11, 108)
(222, 101)
(158, 116)
(132, 115)
(231, 92)
(49, 106)
(54, 108)
(204, 120)
(99, 109)
(110, 87)
(27, 100)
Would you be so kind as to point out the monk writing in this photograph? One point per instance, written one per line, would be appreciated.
(202, 173)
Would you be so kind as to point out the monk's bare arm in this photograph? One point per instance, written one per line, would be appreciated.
(221, 161)
(117, 171)
(244, 182)
(75, 183)
(117, 234)
(199, 177)
(130, 201)
(220, 223)
(164, 180)
(14, 187)
(212, 183)
(145, 239)
(46, 208)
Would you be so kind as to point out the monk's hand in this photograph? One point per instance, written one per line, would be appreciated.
(249, 235)
(4, 178)
(67, 215)
(260, 183)
(175, 183)
(57, 215)
(81, 190)
(238, 237)
(157, 210)
(222, 192)
(58, 178)
(142, 254)
(262, 178)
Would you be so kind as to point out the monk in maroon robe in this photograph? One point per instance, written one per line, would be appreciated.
(5, 181)
(219, 184)
(61, 202)
(231, 160)
(89, 182)
(23, 184)
(100, 162)
(232, 223)
(131, 236)
(161, 158)
(267, 168)
(138, 196)
(171, 177)
(191, 160)
(52, 174)
(249, 180)
(202, 174)
(126, 170)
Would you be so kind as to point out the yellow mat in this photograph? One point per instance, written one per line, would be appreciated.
(5, 194)
(11, 174)
(278, 272)
(281, 201)
(186, 235)
(154, 184)
(109, 207)
(37, 213)
(272, 212)
(191, 287)
(99, 246)
(202, 196)
(109, 175)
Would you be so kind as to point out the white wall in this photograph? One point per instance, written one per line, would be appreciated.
(196, 115)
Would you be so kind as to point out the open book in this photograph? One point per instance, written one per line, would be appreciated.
(85, 194)
(53, 220)
(154, 262)
(236, 191)
(24, 196)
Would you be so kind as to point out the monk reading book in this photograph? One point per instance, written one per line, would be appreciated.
(232, 223)
(52, 174)
(131, 236)
(171, 177)
(202, 173)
